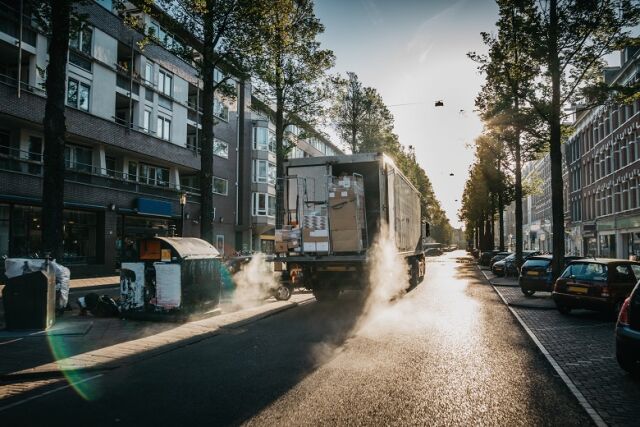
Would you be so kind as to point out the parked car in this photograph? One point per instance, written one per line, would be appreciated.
(485, 257)
(510, 268)
(507, 267)
(599, 284)
(498, 257)
(628, 334)
(535, 274)
(433, 252)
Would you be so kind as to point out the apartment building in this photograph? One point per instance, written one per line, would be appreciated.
(304, 141)
(132, 158)
(603, 161)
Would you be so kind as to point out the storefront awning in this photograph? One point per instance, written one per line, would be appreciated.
(154, 207)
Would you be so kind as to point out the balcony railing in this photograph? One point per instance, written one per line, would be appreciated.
(13, 160)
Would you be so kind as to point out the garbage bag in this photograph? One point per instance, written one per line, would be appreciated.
(99, 305)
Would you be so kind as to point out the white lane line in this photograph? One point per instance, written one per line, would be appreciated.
(29, 399)
(595, 417)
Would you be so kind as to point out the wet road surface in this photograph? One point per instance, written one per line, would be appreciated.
(448, 353)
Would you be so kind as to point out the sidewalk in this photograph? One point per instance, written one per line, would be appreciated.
(79, 347)
(509, 291)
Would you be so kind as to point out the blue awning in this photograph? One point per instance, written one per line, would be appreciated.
(154, 207)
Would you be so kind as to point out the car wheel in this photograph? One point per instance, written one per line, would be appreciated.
(627, 363)
(283, 293)
(528, 292)
(563, 309)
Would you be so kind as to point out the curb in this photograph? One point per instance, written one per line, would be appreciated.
(593, 414)
(512, 304)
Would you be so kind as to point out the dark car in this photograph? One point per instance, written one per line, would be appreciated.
(485, 257)
(600, 284)
(433, 252)
(510, 268)
(628, 334)
(535, 274)
(498, 257)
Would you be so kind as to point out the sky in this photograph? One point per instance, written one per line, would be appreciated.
(415, 52)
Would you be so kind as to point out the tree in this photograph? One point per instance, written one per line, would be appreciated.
(220, 36)
(58, 18)
(576, 36)
(290, 72)
(348, 109)
(511, 69)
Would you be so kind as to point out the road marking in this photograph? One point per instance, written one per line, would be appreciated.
(29, 399)
(595, 417)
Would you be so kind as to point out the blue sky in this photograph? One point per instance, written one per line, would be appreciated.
(415, 52)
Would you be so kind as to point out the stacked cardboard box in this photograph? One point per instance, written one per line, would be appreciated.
(315, 234)
(346, 214)
(287, 239)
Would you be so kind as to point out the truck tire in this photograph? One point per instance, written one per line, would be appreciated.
(414, 275)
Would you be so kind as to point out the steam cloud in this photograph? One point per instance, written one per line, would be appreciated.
(254, 283)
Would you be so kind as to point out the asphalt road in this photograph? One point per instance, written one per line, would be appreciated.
(448, 353)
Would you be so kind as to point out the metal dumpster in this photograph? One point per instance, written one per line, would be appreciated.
(172, 275)
(29, 300)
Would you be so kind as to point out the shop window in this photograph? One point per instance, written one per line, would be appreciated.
(4, 230)
(80, 231)
(26, 231)
(220, 186)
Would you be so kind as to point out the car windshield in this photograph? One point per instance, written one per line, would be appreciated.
(586, 271)
(537, 263)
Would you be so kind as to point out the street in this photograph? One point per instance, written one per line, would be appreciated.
(449, 352)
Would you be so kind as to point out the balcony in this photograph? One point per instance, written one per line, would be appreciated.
(18, 161)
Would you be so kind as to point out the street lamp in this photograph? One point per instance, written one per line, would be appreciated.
(183, 202)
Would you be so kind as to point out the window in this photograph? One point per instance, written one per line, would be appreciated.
(110, 166)
(81, 40)
(79, 61)
(132, 173)
(220, 186)
(78, 94)
(264, 139)
(586, 271)
(35, 155)
(154, 175)
(78, 158)
(163, 128)
(80, 237)
(264, 172)
(148, 72)
(164, 82)
(165, 103)
(220, 243)
(220, 110)
(263, 204)
(146, 120)
(220, 148)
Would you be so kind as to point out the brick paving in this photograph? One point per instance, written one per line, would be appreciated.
(583, 345)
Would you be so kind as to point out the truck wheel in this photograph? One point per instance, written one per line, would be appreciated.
(283, 293)
(528, 292)
(414, 275)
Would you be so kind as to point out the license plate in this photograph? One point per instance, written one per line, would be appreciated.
(578, 290)
(532, 273)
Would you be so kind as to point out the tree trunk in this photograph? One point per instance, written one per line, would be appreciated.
(518, 200)
(555, 152)
(207, 134)
(280, 158)
(54, 131)
(501, 220)
(493, 222)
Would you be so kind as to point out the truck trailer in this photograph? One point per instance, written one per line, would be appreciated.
(335, 208)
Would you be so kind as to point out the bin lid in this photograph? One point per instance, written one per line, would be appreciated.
(191, 247)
